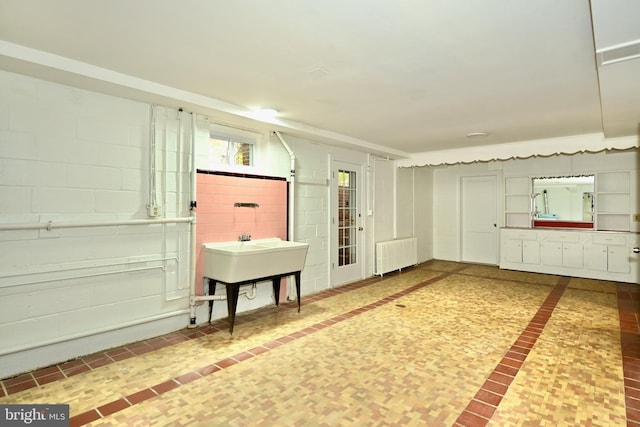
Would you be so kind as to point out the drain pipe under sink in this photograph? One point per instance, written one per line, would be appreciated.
(292, 214)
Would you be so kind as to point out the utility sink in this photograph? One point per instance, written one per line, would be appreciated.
(234, 262)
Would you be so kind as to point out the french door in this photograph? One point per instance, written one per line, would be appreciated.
(346, 223)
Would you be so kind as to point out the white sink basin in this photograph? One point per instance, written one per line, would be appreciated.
(233, 262)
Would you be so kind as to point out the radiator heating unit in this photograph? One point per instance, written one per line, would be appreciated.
(396, 254)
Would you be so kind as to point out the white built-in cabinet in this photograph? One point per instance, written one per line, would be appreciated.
(608, 252)
(522, 247)
(612, 201)
(578, 253)
(562, 250)
(517, 201)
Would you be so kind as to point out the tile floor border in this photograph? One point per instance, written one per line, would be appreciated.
(479, 411)
(66, 369)
(69, 368)
(628, 297)
(134, 398)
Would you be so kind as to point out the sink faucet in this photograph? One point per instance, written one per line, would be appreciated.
(244, 237)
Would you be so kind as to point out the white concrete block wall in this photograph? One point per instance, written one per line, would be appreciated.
(69, 156)
(313, 204)
(313, 228)
(446, 191)
(312, 201)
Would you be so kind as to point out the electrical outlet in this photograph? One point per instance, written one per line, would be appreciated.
(153, 211)
(636, 217)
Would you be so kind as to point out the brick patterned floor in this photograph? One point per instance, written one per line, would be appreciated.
(439, 344)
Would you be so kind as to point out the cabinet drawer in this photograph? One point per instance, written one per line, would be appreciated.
(562, 237)
(609, 239)
(522, 235)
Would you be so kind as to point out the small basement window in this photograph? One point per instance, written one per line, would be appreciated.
(231, 151)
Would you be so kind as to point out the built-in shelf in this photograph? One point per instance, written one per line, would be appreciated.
(517, 201)
(613, 201)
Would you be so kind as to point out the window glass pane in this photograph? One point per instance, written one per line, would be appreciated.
(225, 151)
(346, 217)
(243, 153)
(218, 151)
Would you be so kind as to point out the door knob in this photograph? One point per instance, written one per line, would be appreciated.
(636, 250)
(360, 228)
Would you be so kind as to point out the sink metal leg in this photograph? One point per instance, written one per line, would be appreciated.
(212, 291)
(297, 276)
(232, 303)
(276, 289)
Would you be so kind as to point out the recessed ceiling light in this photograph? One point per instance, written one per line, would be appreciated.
(266, 112)
(270, 112)
(478, 135)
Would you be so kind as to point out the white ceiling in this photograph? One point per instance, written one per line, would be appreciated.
(394, 77)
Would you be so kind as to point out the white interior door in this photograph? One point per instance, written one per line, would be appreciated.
(479, 219)
(346, 223)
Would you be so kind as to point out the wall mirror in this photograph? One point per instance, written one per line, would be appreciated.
(563, 201)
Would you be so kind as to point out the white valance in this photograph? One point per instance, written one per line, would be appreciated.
(591, 143)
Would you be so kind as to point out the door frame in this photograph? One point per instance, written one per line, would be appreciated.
(358, 270)
(497, 208)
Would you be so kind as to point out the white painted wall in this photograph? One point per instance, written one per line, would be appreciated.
(70, 156)
(414, 208)
(311, 208)
(313, 196)
(446, 188)
(383, 199)
(405, 209)
(423, 211)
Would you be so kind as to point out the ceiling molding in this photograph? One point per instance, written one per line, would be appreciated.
(591, 143)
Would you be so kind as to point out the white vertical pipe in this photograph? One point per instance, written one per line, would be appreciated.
(292, 200)
(192, 255)
(152, 157)
(179, 187)
(165, 162)
(293, 187)
(179, 165)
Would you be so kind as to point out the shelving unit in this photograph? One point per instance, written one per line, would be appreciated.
(613, 201)
(517, 202)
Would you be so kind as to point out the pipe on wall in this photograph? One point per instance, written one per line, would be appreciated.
(50, 225)
(292, 213)
(152, 201)
(82, 276)
(92, 332)
(192, 209)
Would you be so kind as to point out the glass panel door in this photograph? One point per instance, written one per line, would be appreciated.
(347, 232)
(346, 223)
